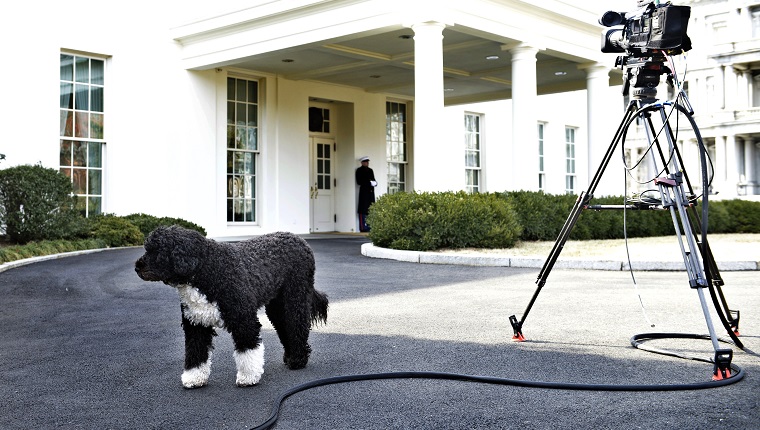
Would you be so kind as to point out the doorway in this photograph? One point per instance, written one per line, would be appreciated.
(322, 184)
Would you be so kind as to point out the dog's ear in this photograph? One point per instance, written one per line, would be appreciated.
(188, 251)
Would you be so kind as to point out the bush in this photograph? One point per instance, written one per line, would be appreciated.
(148, 223)
(36, 204)
(116, 231)
(427, 221)
(742, 216)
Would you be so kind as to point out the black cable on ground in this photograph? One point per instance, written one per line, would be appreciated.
(737, 376)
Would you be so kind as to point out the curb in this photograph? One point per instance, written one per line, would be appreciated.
(537, 262)
(31, 260)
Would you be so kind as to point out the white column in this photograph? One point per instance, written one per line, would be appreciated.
(719, 182)
(524, 119)
(730, 85)
(602, 121)
(749, 165)
(428, 107)
(732, 165)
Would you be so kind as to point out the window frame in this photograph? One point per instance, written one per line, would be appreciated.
(570, 160)
(541, 131)
(473, 173)
(242, 151)
(82, 131)
(396, 144)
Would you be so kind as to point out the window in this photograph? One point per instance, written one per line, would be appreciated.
(541, 171)
(319, 120)
(472, 148)
(755, 14)
(569, 160)
(242, 149)
(81, 129)
(395, 145)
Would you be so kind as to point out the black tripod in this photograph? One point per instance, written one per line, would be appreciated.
(675, 195)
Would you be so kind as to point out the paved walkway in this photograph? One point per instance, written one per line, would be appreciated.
(86, 344)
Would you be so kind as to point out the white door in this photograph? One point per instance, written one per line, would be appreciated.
(322, 184)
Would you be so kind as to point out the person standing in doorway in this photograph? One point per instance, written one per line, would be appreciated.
(365, 178)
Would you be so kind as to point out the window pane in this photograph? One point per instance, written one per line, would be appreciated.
(230, 88)
(65, 157)
(96, 72)
(230, 136)
(230, 112)
(67, 67)
(67, 95)
(96, 125)
(96, 99)
(240, 113)
(94, 181)
(253, 91)
(95, 205)
(241, 90)
(82, 124)
(79, 154)
(248, 163)
(252, 115)
(94, 155)
(79, 180)
(82, 67)
(241, 138)
(253, 143)
(82, 97)
(67, 123)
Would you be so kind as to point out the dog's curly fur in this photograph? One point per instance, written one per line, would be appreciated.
(224, 284)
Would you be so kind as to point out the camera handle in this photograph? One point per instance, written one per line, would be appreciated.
(675, 191)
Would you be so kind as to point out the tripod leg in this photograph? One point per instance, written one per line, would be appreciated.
(580, 203)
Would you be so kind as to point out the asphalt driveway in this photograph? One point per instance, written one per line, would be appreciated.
(86, 344)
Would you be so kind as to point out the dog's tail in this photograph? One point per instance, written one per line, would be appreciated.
(319, 305)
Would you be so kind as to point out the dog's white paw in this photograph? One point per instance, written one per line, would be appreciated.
(197, 376)
(250, 366)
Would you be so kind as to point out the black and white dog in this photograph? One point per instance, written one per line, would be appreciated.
(223, 285)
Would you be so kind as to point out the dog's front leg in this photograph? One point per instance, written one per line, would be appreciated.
(198, 348)
(249, 353)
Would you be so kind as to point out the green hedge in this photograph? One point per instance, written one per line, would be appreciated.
(148, 223)
(427, 221)
(36, 204)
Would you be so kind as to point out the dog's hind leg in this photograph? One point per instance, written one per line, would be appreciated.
(198, 348)
(249, 353)
(291, 319)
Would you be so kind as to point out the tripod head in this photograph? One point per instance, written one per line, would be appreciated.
(643, 74)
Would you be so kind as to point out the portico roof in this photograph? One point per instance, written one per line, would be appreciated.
(369, 44)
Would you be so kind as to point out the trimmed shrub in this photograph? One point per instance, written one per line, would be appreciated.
(147, 223)
(742, 216)
(540, 215)
(116, 231)
(428, 221)
(36, 204)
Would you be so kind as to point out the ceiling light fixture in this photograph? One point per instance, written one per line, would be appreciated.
(288, 60)
(492, 57)
(560, 73)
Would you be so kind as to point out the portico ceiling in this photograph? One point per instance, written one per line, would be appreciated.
(477, 63)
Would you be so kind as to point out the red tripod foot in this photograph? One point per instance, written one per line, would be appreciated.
(518, 337)
(722, 368)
